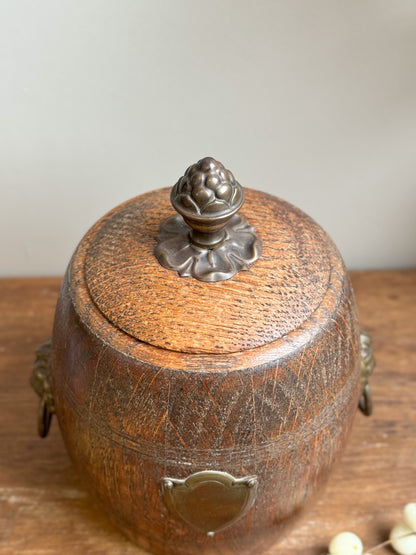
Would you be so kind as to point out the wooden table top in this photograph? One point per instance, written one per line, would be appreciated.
(44, 509)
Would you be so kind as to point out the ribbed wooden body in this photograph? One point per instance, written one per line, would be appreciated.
(132, 413)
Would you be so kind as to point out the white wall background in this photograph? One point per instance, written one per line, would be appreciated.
(101, 100)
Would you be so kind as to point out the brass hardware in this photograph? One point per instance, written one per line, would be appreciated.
(367, 366)
(210, 500)
(40, 380)
(208, 240)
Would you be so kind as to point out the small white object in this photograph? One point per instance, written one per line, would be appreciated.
(409, 516)
(346, 543)
(403, 539)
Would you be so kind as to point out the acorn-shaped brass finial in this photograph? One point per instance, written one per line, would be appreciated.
(207, 188)
(207, 196)
(218, 242)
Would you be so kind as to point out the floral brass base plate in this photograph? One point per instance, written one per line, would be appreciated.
(239, 249)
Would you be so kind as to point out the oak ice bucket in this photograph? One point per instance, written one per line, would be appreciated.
(205, 366)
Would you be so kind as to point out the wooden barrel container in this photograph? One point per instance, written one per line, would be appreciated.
(203, 410)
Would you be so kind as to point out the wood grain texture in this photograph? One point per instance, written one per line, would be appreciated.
(44, 509)
(280, 291)
(129, 419)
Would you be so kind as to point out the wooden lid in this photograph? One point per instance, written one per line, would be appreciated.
(274, 296)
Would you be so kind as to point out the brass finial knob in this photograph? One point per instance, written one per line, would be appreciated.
(218, 242)
(207, 196)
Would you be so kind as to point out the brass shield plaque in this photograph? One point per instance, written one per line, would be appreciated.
(210, 500)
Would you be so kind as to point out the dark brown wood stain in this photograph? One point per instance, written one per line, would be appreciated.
(156, 375)
(44, 508)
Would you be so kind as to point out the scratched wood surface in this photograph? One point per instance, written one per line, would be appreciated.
(44, 509)
(127, 422)
(256, 307)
